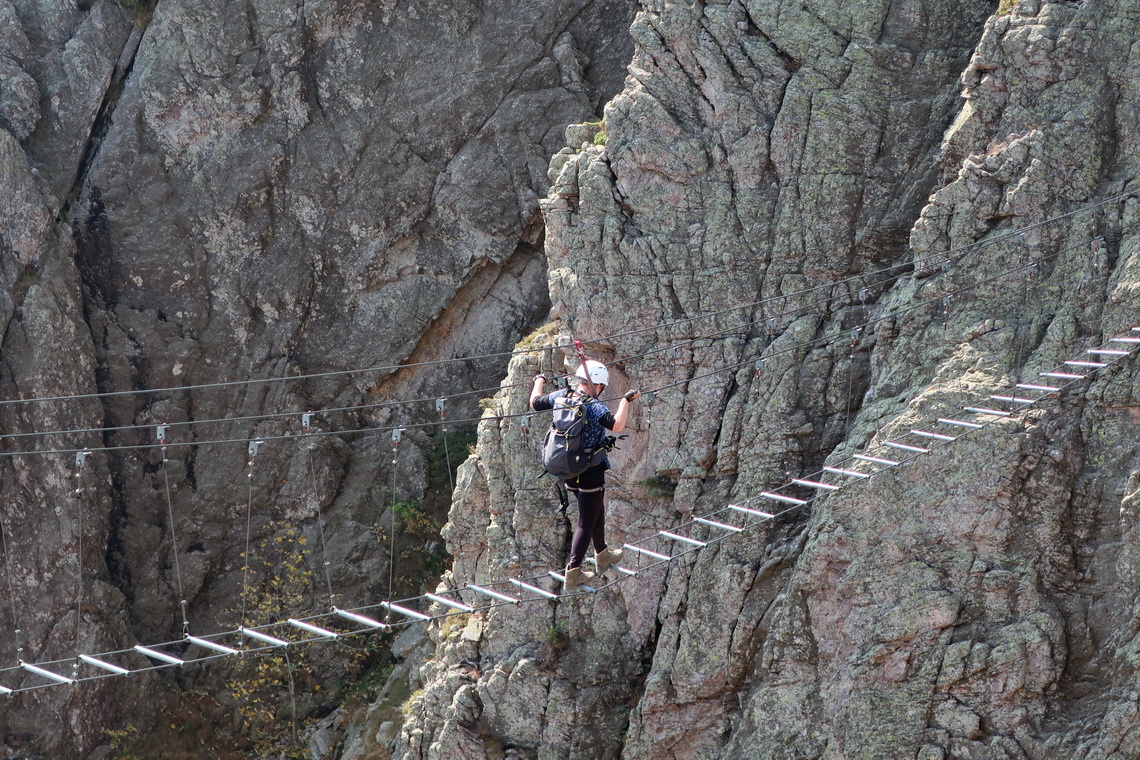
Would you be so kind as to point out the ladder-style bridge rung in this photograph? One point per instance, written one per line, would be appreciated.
(450, 603)
(1124, 340)
(718, 525)
(906, 447)
(753, 512)
(1063, 375)
(1094, 365)
(46, 673)
(5, 690)
(316, 630)
(111, 667)
(265, 638)
(1034, 387)
(984, 410)
(157, 655)
(363, 620)
(493, 594)
(781, 497)
(815, 484)
(647, 553)
(935, 436)
(405, 611)
(848, 473)
(1014, 399)
(540, 591)
(876, 460)
(207, 644)
(1108, 352)
(960, 423)
(682, 539)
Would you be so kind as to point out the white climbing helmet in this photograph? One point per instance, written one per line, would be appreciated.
(599, 375)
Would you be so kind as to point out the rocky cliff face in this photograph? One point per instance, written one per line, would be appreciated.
(975, 604)
(200, 194)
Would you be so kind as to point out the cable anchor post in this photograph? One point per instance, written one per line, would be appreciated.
(254, 447)
(160, 436)
(80, 463)
(397, 435)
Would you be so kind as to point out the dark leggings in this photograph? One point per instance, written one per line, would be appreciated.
(591, 525)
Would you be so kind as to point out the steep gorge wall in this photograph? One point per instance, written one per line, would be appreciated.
(204, 193)
(975, 604)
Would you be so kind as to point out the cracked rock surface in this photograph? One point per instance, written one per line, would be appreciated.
(199, 194)
(764, 166)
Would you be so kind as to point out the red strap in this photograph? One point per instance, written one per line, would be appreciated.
(585, 369)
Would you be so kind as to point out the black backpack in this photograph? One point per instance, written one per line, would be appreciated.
(563, 454)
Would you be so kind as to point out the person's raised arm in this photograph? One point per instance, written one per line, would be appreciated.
(622, 413)
(536, 389)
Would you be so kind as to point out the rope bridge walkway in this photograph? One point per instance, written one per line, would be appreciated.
(655, 550)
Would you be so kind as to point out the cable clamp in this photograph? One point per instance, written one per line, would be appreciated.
(946, 304)
(160, 434)
(441, 406)
(524, 423)
(1098, 245)
(254, 445)
(759, 366)
(81, 460)
(307, 422)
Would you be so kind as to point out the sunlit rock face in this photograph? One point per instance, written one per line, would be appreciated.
(976, 603)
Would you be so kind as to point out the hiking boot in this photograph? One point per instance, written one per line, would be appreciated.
(576, 576)
(607, 557)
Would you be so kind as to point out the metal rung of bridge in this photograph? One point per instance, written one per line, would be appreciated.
(1034, 387)
(906, 447)
(815, 484)
(363, 620)
(154, 654)
(960, 423)
(647, 553)
(493, 594)
(43, 672)
(534, 589)
(753, 512)
(109, 667)
(718, 525)
(1014, 399)
(782, 498)
(213, 646)
(876, 460)
(935, 436)
(405, 611)
(264, 638)
(848, 473)
(682, 539)
(313, 629)
(449, 603)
